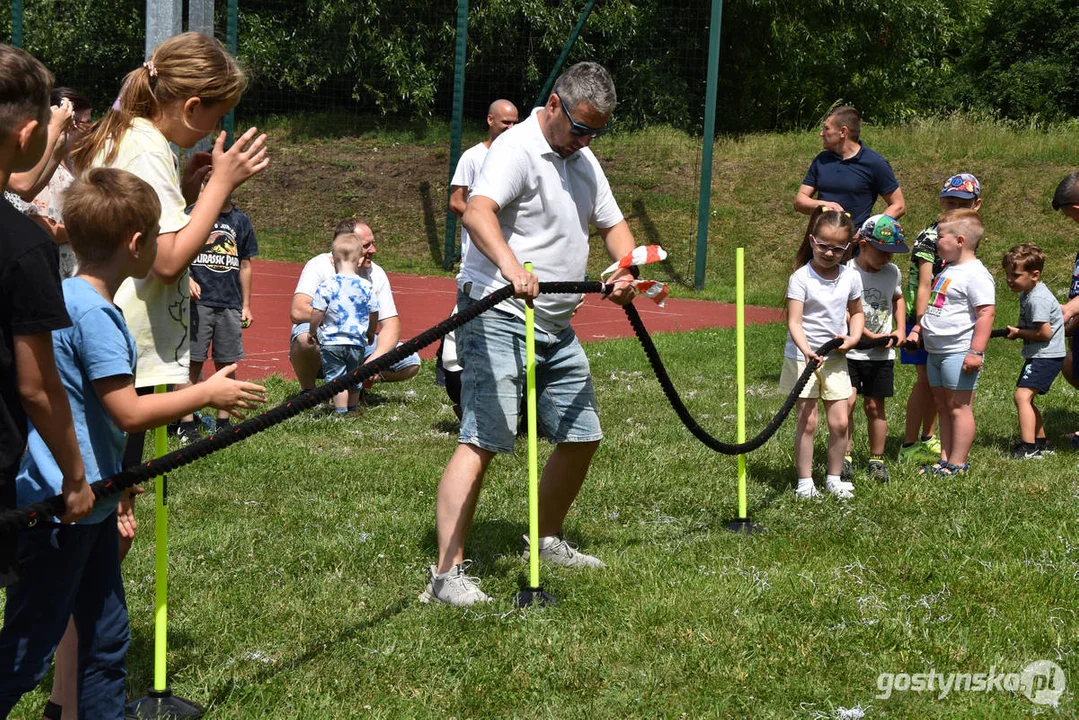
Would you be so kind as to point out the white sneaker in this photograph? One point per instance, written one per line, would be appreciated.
(555, 549)
(454, 587)
(839, 488)
(808, 491)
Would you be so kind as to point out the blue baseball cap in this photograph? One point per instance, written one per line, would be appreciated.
(963, 185)
(884, 233)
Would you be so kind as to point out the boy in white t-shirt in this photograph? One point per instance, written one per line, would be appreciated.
(955, 330)
(872, 371)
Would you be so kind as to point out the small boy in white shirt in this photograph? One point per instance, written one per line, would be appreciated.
(872, 371)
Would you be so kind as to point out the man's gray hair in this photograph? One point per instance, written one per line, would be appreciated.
(1067, 192)
(587, 82)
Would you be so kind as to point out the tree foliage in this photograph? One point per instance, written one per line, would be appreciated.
(782, 64)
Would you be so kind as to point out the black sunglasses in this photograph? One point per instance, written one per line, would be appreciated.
(580, 129)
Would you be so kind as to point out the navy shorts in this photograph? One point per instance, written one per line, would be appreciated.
(872, 378)
(1039, 374)
(918, 357)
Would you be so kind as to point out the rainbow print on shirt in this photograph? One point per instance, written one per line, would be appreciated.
(938, 293)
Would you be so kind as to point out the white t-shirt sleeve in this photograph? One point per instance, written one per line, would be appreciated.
(160, 173)
(383, 294)
(317, 269)
(464, 175)
(503, 175)
(983, 291)
(796, 287)
(855, 285)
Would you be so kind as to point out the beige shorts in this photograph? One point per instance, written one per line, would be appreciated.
(829, 382)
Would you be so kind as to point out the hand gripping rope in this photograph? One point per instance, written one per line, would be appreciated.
(28, 515)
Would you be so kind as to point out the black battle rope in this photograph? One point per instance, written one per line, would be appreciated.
(13, 520)
(773, 425)
(28, 515)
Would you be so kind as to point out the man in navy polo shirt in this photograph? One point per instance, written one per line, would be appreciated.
(847, 176)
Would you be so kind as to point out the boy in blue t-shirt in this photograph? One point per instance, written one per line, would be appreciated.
(344, 315)
(74, 570)
(220, 285)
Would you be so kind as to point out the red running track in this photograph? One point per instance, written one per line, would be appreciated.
(425, 301)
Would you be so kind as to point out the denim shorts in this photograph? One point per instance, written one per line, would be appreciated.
(412, 360)
(492, 351)
(947, 371)
(340, 360)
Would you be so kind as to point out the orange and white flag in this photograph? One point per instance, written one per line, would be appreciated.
(652, 289)
(641, 255)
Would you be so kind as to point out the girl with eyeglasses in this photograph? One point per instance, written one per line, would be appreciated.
(821, 294)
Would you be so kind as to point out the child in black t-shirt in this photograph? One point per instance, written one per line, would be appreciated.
(220, 284)
(31, 306)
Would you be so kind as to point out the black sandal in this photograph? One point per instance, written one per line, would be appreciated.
(52, 711)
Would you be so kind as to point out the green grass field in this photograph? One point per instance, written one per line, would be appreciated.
(297, 555)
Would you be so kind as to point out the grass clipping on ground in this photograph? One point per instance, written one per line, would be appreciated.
(297, 556)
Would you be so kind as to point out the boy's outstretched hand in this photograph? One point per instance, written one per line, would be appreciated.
(229, 394)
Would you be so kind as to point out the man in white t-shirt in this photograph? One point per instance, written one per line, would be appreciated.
(538, 192)
(303, 353)
(501, 116)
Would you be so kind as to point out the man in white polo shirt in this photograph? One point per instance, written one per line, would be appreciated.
(303, 354)
(539, 190)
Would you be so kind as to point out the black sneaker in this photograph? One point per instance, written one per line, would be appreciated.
(1043, 445)
(188, 432)
(1023, 451)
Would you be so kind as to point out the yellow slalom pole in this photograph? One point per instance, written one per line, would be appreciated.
(533, 445)
(161, 560)
(160, 702)
(534, 593)
(740, 342)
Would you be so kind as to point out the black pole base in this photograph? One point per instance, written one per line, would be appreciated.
(162, 704)
(744, 526)
(534, 596)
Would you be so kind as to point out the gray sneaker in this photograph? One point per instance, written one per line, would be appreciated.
(848, 468)
(878, 471)
(454, 587)
(555, 549)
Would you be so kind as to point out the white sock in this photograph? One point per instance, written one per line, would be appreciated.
(804, 484)
(831, 479)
